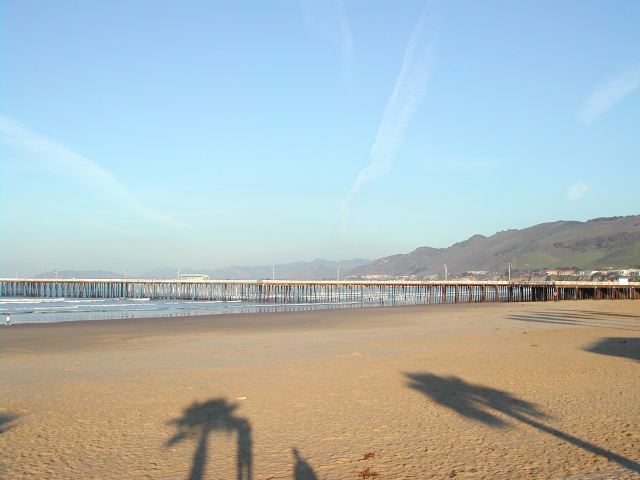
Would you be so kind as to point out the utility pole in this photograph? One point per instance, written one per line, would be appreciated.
(56, 273)
(338, 272)
(273, 272)
(509, 272)
(446, 273)
(125, 273)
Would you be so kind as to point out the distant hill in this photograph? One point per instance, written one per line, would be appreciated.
(601, 242)
(79, 274)
(319, 269)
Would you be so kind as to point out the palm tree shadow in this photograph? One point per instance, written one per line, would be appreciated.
(199, 420)
(473, 401)
(581, 319)
(7, 421)
(302, 470)
(487, 405)
(625, 347)
(608, 314)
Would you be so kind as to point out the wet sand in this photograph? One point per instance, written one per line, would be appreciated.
(441, 391)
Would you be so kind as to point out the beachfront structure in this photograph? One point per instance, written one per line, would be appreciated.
(280, 291)
(561, 272)
(194, 277)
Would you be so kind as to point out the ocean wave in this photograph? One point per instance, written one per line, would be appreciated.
(78, 311)
(45, 310)
(76, 308)
(87, 300)
(52, 308)
(29, 300)
(202, 302)
(307, 304)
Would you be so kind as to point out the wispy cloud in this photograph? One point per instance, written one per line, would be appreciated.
(577, 191)
(63, 161)
(329, 17)
(405, 99)
(605, 97)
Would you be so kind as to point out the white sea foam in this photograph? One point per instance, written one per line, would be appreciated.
(29, 300)
(51, 308)
(87, 300)
(112, 305)
(205, 302)
(76, 307)
(281, 305)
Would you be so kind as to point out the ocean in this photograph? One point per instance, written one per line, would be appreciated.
(50, 310)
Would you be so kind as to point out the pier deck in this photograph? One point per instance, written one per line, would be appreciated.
(313, 291)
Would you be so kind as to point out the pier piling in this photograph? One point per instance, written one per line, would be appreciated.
(281, 291)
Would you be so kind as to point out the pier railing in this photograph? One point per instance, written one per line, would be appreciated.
(290, 291)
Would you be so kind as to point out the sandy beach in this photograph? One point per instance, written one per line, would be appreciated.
(441, 391)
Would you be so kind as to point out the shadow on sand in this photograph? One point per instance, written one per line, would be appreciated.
(607, 314)
(199, 420)
(302, 470)
(486, 405)
(7, 421)
(582, 318)
(617, 347)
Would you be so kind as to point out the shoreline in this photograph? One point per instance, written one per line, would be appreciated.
(27, 337)
(318, 311)
(211, 316)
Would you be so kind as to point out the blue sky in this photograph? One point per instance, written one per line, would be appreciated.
(202, 134)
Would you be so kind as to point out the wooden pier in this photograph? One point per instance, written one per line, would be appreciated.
(279, 291)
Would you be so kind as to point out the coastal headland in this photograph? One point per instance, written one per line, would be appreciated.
(512, 390)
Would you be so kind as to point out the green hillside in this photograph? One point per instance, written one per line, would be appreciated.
(584, 260)
(600, 242)
(595, 258)
(535, 260)
(626, 257)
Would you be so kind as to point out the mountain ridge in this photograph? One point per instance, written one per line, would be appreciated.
(318, 269)
(595, 243)
(598, 242)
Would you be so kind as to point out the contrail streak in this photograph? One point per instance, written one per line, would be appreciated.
(64, 161)
(605, 97)
(405, 99)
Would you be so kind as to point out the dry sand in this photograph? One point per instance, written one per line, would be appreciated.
(451, 391)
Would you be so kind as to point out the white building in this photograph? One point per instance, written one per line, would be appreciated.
(194, 277)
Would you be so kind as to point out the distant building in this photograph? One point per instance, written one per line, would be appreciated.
(377, 277)
(627, 272)
(194, 277)
(599, 272)
(561, 272)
